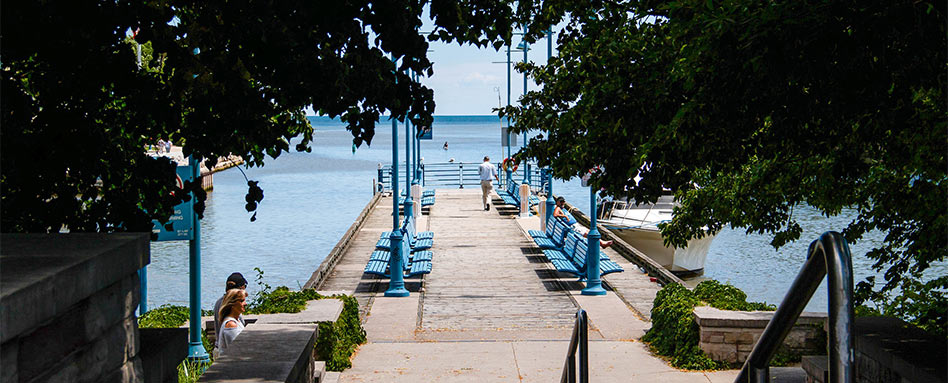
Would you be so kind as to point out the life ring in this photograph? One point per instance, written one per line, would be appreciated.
(510, 164)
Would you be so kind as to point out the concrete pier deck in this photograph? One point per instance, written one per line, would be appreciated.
(492, 309)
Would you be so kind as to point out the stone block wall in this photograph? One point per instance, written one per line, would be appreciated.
(729, 336)
(70, 309)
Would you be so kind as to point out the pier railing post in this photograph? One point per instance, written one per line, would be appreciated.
(593, 275)
(461, 175)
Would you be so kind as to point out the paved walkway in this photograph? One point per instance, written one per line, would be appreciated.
(493, 309)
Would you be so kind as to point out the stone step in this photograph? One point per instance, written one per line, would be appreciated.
(330, 377)
(787, 375)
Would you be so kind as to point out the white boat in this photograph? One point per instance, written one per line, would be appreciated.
(637, 225)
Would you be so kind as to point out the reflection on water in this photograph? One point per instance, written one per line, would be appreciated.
(311, 199)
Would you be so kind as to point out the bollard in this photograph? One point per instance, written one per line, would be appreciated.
(524, 200)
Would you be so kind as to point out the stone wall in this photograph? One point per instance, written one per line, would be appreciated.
(889, 350)
(68, 306)
(729, 336)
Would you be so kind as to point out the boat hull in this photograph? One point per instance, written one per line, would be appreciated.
(684, 262)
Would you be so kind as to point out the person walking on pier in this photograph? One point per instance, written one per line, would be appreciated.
(486, 171)
(560, 213)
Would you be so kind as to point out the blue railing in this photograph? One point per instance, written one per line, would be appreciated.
(458, 175)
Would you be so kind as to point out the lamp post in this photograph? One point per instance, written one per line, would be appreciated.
(196, 351)
(396, 284)
(525, 47)
(549, 171)
(593, 275)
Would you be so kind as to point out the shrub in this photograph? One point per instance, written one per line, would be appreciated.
(674, 332)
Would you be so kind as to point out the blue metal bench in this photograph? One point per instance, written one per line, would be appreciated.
(554, 236)
(415, 264)
(511, 195)
(417, 241)
(425, 201)
(424, 193)
(572, 257)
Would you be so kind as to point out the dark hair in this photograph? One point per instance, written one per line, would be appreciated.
(235, 281)
(560, 199)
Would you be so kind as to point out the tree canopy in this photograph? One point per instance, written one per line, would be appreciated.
(746, 109)
(220, 78)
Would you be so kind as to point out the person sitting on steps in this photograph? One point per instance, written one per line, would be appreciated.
(571, 222)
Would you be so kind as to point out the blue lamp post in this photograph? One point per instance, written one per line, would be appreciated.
(196, 351)
(524, 46)
(396, 284)
(549, 171)
(593, 275)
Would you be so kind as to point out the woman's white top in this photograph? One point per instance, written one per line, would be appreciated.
(228, 334)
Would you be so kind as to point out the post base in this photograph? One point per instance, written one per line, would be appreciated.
(197, 353)
(594, 290)
(399, 292)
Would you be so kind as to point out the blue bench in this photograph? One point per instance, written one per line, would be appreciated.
(424, 193)
(571, 258)
(511, 195)
(554, 236)
(414, 263)
(417, 241)
(425, 201)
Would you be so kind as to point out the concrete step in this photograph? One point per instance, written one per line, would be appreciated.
(330, 377)
(787, 375)
(319, 368)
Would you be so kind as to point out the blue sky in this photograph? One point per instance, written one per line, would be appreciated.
(465, 78)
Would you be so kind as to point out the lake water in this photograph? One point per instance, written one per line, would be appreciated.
(311, 199)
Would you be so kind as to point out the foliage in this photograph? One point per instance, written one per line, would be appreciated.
(746, 109)
(727, 297)
(165, 316)
(220, 78)
(190, 372)
(338, 340)
(674, 332)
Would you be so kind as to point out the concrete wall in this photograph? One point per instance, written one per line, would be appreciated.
(729, 336)
(68, 306)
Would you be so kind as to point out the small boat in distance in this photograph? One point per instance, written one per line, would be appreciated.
(637, 225)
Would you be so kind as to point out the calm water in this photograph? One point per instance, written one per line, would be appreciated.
(311, 199)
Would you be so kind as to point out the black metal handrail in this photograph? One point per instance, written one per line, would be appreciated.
(829, 255)
(579, 340)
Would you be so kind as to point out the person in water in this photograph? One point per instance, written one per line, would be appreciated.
(445, 145)
(560, 213)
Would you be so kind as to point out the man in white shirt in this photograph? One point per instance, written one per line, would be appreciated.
(486, 171)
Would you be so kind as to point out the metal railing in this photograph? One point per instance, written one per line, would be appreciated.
(829, 255)
(580, 341)
(459, 175)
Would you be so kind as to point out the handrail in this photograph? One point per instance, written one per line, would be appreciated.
(580, 339)
(829, 255)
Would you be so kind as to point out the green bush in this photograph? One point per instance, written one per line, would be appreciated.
(165, 316)
(674, 332)
(727, 297)
(337, 341)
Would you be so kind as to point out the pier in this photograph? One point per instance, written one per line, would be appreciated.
(493, 308)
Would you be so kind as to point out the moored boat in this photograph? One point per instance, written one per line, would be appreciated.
(638, 226)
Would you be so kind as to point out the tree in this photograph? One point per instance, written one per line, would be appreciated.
(746, 109)
(219, 78)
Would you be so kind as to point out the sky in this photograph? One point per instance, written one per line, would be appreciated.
(466, 81)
